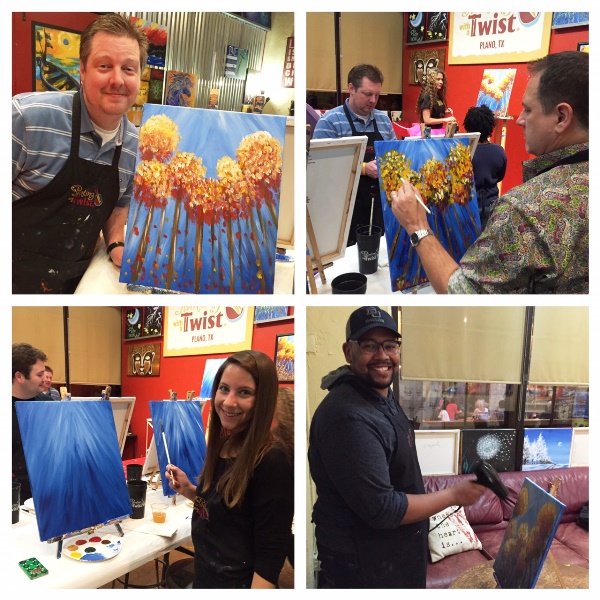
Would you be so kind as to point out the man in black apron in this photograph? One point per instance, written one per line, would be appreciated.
(56, 227)
(371, 514)
(358, 117)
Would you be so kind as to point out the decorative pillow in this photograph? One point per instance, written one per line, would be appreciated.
(452, 535)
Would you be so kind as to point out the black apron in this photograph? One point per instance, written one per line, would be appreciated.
(395, 558)
(368, 188)
(55, 229)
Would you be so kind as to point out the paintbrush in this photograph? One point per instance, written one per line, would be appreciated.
(162, 431)
(418, 196)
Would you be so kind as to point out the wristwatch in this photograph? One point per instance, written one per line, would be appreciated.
(417, 236)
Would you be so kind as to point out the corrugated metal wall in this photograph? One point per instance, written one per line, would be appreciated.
(197, 43)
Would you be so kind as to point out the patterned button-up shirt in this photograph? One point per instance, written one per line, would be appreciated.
(537, 239)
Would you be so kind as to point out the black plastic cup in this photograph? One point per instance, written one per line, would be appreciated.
(367, 242)
(134, 472)
(137, 497)
(349, 283)
(16, 502)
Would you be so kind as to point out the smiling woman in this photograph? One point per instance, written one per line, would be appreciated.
(243, 504)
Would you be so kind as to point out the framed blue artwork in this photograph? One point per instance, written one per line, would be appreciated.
(210, 370)
(205, 207)
(546, 448)
(569, 19)
(184, 434)
(74, 465)
(441, 169)
(264, 314)
(527, 538)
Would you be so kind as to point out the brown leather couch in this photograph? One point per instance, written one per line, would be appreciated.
(489, 518)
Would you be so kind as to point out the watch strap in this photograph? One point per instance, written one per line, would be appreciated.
(112, 246)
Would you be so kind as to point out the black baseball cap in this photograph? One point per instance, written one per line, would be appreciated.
(368, 317)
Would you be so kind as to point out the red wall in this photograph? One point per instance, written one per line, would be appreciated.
(463, 87)
(22, 55)
(183, 373)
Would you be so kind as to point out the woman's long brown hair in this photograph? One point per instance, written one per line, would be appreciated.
(253, 442)
(430, 88)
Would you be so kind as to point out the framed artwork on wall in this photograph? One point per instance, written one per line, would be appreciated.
(570, 19)
(143, 360)
(153, 321)
(133, 323)
(437, 450)
(546, 448)
(420, 61)
(437, 27)
(56, 58)
(266, 314)
(284, 357)
(495, 446)
(583, 47)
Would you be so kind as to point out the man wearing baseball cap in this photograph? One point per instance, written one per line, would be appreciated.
(372, 513)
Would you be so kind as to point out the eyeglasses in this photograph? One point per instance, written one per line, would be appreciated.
(390, 347)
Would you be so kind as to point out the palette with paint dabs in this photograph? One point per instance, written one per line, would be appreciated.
(92, 548)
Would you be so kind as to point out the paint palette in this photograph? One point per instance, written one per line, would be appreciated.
(92, 548)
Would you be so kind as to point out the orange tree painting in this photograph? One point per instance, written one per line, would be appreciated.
(441, 170)
(284, 357)
(203, 218)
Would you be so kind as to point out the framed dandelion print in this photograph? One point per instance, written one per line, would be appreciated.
(441, 169)
(205, 207)
(498, 447)
(284, 357)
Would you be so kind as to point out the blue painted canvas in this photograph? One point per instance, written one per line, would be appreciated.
(442, 171)
(527, 538)
(182, 422)
(263, 314)
(210, 370)
(205, 206)
(74, 465)
(546, 448)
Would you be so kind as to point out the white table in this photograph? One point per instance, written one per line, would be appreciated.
(138, 548)
(102, 277)
(377, 283)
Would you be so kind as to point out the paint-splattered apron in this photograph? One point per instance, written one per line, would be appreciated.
(368, 188)
(55, 230)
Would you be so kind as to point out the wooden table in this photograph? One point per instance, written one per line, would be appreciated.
(481, 577)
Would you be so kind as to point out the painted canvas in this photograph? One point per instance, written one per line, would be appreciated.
(74, 464)
(206, 201)
(527, 538)
(546, 448)
(494, 91)
(416, 27)
(153, 321)
(441, 170)
(157, 38)
(182, 423)
(133, 323)
(437, 27)
(495, 446)
(56, 52)
(181, 89)
(236, 62)
(143, 360)
(569, 19)
(284, 357)
(210, 370)
(263, 314)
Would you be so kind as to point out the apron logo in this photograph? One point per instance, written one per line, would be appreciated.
(83, 197)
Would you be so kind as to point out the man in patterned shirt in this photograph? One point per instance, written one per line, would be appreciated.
(537, 238)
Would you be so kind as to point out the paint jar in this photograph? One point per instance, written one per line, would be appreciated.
(16, 502)
(349, 283)
(368, 238)
(137, 497)
(159, 512)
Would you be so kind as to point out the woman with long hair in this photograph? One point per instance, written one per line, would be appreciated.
(431, 104)
(244, 500)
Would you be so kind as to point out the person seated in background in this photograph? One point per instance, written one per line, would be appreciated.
(431, 104)
(48, 390)
(28, 370)
(452, 409)
(481, 411)
(489, 161)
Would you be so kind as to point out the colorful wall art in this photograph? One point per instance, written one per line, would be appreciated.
(184, 434)
(157, 38)
(143, 360)
(181, 89)
(527, 538)
(546, 448)
(74, 464)
(205, 206)
(442, 171)
(236, 62)
(262, 314)
(56, 52)
(284, 357)
(495, 89)
(495, 446)
(210, 370)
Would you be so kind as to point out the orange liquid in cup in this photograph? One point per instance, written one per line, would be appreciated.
(159, 517)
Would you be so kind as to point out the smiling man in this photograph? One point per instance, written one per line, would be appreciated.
(371, 514)
(537, 238)
(359, 117)
(73, 162)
